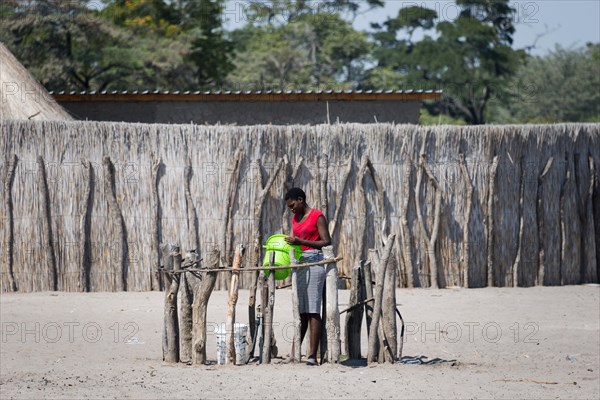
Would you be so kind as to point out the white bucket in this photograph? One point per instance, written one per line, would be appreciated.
(240, 341)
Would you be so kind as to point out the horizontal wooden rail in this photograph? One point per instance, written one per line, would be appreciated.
(269, 268)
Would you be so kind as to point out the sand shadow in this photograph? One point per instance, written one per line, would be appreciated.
(424, 360)
(354, 363)
(411, 360)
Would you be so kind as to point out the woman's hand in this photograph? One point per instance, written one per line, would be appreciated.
(292, 240)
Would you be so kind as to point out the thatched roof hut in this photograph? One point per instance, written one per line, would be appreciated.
(22, 96)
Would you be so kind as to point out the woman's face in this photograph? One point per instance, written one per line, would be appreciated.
(296, 206)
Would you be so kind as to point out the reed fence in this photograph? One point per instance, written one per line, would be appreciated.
(87, 205)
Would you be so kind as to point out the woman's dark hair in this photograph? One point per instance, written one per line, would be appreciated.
(294, 193)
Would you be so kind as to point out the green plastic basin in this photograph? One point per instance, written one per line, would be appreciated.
(281, 248)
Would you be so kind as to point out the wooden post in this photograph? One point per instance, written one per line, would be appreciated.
(232, 301)
(47, 222)
(405, 234)
(156, 281)
(333, 313)
(228, 211)
(85, 226)
(388, 309)
(465, 262)
(268, 303)
(380, 197)
(322, 347)
(199, 308)
(185, 309)
(8, 203)
(323, 167)
(255, 312)
(362, 209)
(491, 201)
(354, 316)
(381, 342)
(333, 223)
(166, 261)
(187, 286)
(264, 305)
(541, 228)
(590, 234)
(296, 310)
(252, 307)
(192, 224)
(373, 339)
(517, 261)
(117, 217)
(171, 352)
(368, 279)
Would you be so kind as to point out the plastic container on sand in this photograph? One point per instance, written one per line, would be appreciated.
(240, 342)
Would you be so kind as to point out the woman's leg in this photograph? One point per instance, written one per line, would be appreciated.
(315, 327)
(303, 325)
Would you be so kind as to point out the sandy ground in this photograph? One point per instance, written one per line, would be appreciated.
(506, 343)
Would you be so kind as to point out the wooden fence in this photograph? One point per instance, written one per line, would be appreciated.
(87, 204)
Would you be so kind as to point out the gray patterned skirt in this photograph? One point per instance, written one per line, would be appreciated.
(310, 283)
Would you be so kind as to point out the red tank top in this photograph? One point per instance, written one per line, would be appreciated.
(307, 229)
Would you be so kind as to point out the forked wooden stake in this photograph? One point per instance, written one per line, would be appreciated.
(171, 351)
(199, 308)
(231, 302)
(355, 314)
(373, 337)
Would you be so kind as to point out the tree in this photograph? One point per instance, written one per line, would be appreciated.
(211, 52)
(70, 47)
(267, 58)
(312, 51)
(64, 44)
(563, 86)
(195, 23)
(470, 58)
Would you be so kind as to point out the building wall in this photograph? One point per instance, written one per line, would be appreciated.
(247, 112)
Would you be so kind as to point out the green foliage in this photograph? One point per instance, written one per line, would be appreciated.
(470, 57)
(143, 16)
(427, 119)
(64, 44)
(268, 58)
(563, 86)
(312, 51)
(211, 51)
(196, 23)
(133, 44)
(277, 12)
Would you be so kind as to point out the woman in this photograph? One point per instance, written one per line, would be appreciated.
(309, 230)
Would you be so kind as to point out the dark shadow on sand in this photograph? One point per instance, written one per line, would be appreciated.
(413, 360)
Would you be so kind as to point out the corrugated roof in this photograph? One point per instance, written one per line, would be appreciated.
(247, 95)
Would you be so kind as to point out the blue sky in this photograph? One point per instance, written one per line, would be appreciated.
(569, 23)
